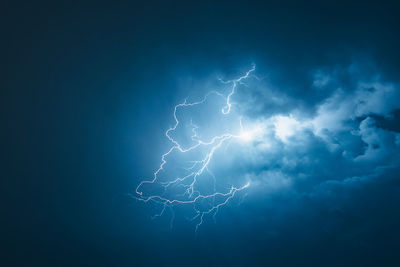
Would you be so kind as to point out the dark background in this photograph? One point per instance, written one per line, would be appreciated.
(85, 90)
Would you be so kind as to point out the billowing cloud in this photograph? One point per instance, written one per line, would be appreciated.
(273, 143)
(339, 141)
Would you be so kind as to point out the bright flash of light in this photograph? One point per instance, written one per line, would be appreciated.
(183, 188)
(251, 132)
(246, 136)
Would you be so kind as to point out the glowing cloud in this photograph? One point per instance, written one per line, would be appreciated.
(286, 127)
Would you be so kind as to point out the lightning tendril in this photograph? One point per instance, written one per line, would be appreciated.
(188, 183)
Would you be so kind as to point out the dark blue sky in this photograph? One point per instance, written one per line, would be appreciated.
(88, 89)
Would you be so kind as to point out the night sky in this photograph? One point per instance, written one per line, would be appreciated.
(88, 90)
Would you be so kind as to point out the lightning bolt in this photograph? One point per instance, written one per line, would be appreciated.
(187, 183)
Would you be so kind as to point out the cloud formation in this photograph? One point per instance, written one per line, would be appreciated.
(275, 143)
(341, 139)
